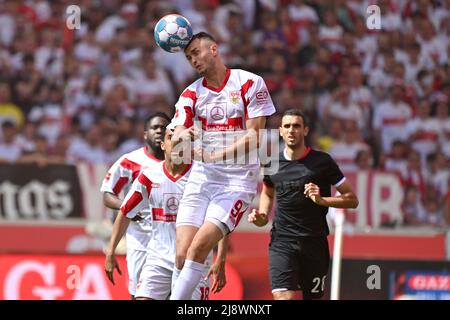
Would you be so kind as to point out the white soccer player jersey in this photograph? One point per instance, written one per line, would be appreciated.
(222, 113)
(157, 189)
(120, 177)
(424, 134)
(391, 119)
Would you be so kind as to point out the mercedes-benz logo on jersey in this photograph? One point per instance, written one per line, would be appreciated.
(217, 113)
(172, 204)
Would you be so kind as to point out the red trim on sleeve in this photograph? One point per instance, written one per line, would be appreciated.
(190, 95)
(131, 203)
(227, 76)
(267, 185)
(133, 166)
(189, 117)
(119, 185)
(145, 182)
(244, 89)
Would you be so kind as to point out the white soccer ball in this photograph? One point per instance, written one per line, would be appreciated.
(173, 32)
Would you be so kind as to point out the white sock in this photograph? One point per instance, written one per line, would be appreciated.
(188, 280)
(175, 274)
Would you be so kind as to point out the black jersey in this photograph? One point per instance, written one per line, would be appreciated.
(296, 215)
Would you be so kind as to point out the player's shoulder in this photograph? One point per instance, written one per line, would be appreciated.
(245, 75)
(142, 157)
(153, 172)
(319, 154)
(133, 154)
(194, 86)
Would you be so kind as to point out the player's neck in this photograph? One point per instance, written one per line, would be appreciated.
(296, 153)
(158, 154)
(217, 76)
(174, 169)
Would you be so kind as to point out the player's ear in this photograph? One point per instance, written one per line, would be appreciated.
(214, 49)
(163, 146)
(306, 131)
(145, 135)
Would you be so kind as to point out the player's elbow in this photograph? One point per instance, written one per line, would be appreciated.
(354, 202)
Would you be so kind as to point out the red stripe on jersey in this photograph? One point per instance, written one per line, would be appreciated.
(159, 215)
(189, 117)
(227, 76)
(132, 202)
(305, 153)
(394, 121)
(133, 166)
(119, 185)
(244, 89)
(190, 95)
(145, 182)
(204, 122)
(426, 135)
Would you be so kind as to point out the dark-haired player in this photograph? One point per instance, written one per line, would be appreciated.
(298, 251)
(120, 177)
(230, 105)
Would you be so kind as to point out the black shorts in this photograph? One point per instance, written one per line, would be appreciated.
(299, 264)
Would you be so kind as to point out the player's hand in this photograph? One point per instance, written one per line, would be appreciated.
(258, 218)
(217, 271)
(188, 134)
(137, 217)
(111, 264)
(312, 191)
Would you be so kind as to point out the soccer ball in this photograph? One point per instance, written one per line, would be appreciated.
(173, 32)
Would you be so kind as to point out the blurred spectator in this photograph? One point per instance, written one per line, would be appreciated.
(364, 160)
(390, 118)
(396, 161)
(8, 110)
(88, 149)
(345, 151)
(422, 130)
(9, 149)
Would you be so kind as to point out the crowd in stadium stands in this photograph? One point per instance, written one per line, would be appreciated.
(377, 98)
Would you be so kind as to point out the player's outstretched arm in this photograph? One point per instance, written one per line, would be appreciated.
(261, 217)
(120, 227)
(347, 199)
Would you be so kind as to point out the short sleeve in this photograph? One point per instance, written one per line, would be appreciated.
(184, 109)
(136, 199)
(121, 173)
(115, 179)
(334, 174)
(268, 182)
(257, 99)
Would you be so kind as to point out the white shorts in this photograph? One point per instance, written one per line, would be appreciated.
(135, 264)
(216, 203)
(156, 283)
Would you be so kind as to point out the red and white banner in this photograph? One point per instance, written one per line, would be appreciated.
(78, 277)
